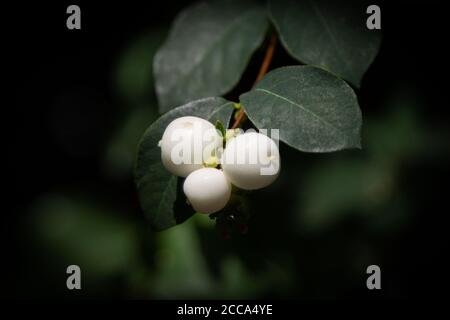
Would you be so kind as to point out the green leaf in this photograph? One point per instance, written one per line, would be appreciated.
(329, 34)
(207, 51)
(314, 110)
(156, 186)
(221, 128)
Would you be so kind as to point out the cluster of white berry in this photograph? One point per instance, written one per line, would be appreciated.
(191, 147)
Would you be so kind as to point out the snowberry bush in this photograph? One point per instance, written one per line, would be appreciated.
(195, 154)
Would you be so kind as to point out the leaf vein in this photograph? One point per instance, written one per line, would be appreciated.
(298, 105)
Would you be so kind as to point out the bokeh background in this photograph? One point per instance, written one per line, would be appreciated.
(80, 100)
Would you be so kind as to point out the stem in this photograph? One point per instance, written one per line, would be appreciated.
(267, 58)
(239, 119)
(262, 71)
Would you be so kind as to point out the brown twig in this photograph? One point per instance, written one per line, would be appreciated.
(267, 58)
(239, 119)
(262, 71)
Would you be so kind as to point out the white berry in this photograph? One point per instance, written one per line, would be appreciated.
(187, 143)
(251, 161)
(207, 190)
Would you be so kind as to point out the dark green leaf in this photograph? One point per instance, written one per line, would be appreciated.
(329, 34)
(314, 110)
(156, 186)
(207, 51)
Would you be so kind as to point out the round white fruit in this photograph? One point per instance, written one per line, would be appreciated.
(251, 161)
(187, 143)
(207, 189)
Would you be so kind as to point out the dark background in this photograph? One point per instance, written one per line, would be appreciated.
(61, 109)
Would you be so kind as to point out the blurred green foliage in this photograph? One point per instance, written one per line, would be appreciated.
(311, 234)
(363, 184)
(90, 234)
(134, 88)
(120, 152)
(133, 75)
